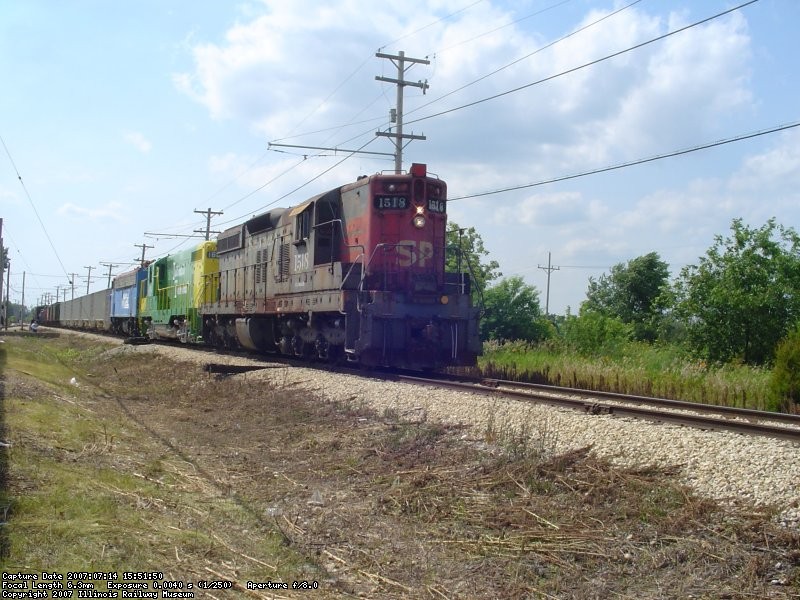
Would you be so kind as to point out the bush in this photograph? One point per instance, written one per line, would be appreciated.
(593, 334)
(785, 381)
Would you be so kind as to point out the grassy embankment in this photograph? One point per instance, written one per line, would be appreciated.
(640, 369)
(87, 488)
(149, 464)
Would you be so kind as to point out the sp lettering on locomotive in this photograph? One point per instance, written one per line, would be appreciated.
(412, 253)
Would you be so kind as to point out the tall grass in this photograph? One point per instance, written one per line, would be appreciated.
(637, 368)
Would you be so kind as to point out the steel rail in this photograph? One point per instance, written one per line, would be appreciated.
(596, 408)
(746, 413)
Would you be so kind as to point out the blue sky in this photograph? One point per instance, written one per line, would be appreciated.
(123, 118)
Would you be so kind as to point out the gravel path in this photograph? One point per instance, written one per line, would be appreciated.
(729, 467)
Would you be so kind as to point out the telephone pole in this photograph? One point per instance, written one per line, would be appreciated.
(88, 279)
(208, 213)
(22, 313)
(143, 247)
(549, 270)
(72, 285)
(110, 266)
(8, 290)
(397, 114)
(2, 259)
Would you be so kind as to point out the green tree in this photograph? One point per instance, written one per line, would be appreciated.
(785, 380)
(744, 295)
(513, 312)
(630, 293)
(467, 254)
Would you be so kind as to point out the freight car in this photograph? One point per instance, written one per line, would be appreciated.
(125, 302)
(90, 312)
(357, 272)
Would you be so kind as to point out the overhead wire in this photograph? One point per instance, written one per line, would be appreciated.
(496, 29)
(334, 129)
(506, 66)
(583, 66)
(338, 128)
(451, 110)
(33, 206)
(436, 22)
(527, 56)
(632, 163)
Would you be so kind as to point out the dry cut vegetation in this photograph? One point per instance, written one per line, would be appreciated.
(150, 464)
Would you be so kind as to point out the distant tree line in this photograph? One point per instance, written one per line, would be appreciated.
(740, 303)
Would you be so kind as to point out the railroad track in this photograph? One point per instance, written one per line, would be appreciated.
(689, 414)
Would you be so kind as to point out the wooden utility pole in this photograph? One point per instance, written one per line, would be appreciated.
(397, 114)
(110, 266)
(22, 310)
(8, 289)
(549, 270)
(143, 247)
(72, 277)
(208, 213)
(88, 279)
(2, 259)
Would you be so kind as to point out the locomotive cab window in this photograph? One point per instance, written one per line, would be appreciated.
(302, 225)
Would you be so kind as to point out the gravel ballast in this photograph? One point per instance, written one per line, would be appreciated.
(731, 468)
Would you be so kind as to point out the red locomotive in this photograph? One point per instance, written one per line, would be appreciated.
(357, 272)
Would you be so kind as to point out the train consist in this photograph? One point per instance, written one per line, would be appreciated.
(356, 273)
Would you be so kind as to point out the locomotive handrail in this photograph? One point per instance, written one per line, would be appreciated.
(350, 270)
(465, 255)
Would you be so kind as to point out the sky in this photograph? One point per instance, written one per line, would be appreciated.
(119, 120)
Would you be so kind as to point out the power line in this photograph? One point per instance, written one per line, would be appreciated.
(514, 22)
(583, 66)
(461, 43)
(450, 93)
(30, 200)
(527, 56)
(632, 163)
(374, 119)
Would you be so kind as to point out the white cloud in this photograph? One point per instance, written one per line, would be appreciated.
(276, 70)
(778, 166)
(7, 196)
(556, 209)
(138, 141)
(113, 211)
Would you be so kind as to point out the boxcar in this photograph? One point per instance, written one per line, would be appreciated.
(87, 312)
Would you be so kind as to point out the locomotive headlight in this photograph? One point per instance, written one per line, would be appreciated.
(444, 299)
(419, 221)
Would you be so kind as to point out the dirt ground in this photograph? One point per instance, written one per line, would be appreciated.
(385, 506)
